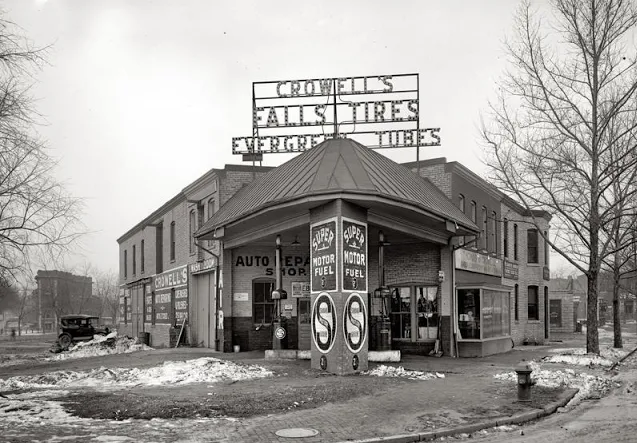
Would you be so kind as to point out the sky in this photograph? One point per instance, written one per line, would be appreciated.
(143, 97)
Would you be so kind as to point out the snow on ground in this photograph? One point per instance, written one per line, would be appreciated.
(391, 371)
(33, 407)
(589, 385)
(207, 370)
(578, 356)
(102, 345)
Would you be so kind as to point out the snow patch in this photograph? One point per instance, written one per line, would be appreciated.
(589, 385)
(201, 370)
(102, 345)
(391, 371)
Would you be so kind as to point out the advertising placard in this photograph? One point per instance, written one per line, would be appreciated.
(354, 255)
(324, 325)
(171, 296)
(323, 256)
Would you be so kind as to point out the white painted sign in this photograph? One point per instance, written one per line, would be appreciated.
(241, 296)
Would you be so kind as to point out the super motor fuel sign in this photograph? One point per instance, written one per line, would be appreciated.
(323, 256)
(354, 255)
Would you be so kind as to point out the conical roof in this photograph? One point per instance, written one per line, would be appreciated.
(336, 166)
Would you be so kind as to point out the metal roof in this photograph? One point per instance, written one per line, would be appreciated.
(336, 165)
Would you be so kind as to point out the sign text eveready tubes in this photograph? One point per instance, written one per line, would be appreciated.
(369, 103)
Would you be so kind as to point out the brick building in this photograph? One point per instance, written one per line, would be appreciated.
(165, 277)
(501, 276)
(449, 257)
(60, 293)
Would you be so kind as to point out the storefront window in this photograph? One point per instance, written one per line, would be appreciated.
(483, 313)
(417, 306)
(427, 312)
(469, 313)
(262, 303)
(401, 312)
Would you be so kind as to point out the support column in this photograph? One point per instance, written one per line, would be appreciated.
(338, 283)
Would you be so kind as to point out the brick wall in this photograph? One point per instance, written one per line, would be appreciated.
(529, 274)
(437, 175)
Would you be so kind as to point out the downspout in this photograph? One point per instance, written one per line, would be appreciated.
(216, 293)
(454, 323)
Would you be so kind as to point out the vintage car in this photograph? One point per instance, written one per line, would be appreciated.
(79, 327)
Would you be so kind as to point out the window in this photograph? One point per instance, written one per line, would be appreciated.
(414, 312)
(546, 249)
(516, 303)
(125, 263)
(262, 303)
(153, 308)
(211, 207)
(484, 240)
(492, 232)
(505, 245)
(134, 260)
(193, 227)
(172, 241)
(173, 315)
(462, 208)
(483, 313)
(531, 246)
(141, 259)
(515, 242)
(533, 303)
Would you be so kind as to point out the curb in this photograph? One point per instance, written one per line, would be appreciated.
(468, 429)
(617, 363)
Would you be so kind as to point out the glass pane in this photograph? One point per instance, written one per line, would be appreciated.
(259, 315)
(259, 292)
(269, 312)
(469, 313)
(304, 311)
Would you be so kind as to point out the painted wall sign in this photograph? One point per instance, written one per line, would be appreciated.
(355, 322)
(203, 266)
(148, 301)
(181, 305)
(324, 325)
(370, 102)
(511, 270)
(323, 256)
(290, 264)
(300, 289)
(476, 262)
(240, 296)
(354, 256)
(172, 279)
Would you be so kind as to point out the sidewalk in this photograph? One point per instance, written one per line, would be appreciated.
(469, 398)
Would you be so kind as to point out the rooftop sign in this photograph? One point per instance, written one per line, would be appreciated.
(295, 115)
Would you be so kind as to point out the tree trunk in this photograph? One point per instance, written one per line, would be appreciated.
(592, 338)
(617, 327)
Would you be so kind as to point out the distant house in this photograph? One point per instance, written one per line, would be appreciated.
(563, 305)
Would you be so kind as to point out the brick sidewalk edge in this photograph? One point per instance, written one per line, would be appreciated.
(468, 429)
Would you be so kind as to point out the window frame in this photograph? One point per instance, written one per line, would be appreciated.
(515, 242)
(532, 246)
(268, 301)
(134, 254)
(125, 263)
(413, 313)
(484, 243)
(546, 249)
(494, 229)
(530, 305)
(141, 252)
(172, 241)
(505, 238)
(516, 302)
(192, 227)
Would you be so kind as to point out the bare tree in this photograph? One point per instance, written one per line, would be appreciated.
(107, 290)
(37, 214)
(557, 118)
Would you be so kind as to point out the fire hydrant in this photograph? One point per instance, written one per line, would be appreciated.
(524, 382)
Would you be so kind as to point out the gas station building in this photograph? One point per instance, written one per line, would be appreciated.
(366, 254)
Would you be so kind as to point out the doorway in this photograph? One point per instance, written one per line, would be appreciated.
(303, 309)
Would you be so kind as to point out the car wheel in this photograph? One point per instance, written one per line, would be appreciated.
(65, 340)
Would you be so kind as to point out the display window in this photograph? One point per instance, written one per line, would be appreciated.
(414, 312)
(483, 313)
